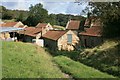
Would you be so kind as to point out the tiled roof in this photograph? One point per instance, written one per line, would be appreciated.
(31, 31)
(93, 21)
(9, 24)
(54, 35)
(22, 26)
(93, 31)
(41, 25)
(73, 24)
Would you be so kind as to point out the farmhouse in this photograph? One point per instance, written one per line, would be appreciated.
(73, 25)
(92, 37)
(33, 34)
(61, 40)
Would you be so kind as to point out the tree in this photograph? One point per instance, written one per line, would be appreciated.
(37, 14)
(109, 12)
(52, 19)
(62, 19)
(5, 13)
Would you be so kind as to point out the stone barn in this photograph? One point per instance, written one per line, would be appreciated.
(61, 40)
(91, 36)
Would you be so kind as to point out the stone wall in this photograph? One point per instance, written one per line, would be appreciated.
(63, 43)
(4, 36)
(51, 44)
(90, 41)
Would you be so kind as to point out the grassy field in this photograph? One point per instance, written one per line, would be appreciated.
(23, 60)
(59, 27)
(12, 20)
(78, 70)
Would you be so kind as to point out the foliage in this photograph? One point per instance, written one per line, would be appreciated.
(13, 14)
(109, 12)
(104, 57)
(5, 13)
(37, 14)
(71, 54)
(78, 70)
(24, 60)
(52, 19)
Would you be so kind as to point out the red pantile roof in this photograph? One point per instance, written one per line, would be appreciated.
(9, 24)
(93, 21)
(41, 25)
(54, 35)
(73, 24)
(22, 26)
(93, 31)
(31, 31)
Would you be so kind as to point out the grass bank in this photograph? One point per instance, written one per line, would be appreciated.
(23, 60)
(105, 57)
(79, 70)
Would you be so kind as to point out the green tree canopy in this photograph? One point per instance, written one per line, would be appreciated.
(52, 19)
(37, 14)
(109, 12)
(6, 14)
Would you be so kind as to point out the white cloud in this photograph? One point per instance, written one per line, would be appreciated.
(53, 6)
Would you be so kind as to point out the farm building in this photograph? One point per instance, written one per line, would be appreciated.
(13, 24)
(92, 21)
(61, 40)
(33, 34)
(5, 33)
(92, 37)
(74, 25)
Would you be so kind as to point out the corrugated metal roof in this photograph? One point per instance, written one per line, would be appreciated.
(9, 29)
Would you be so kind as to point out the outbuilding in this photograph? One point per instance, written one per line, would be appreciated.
(61, 40)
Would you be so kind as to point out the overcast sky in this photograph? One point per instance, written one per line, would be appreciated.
(53, 6)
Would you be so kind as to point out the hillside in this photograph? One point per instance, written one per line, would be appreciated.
(79, 70)
(23, 60)
(104, 57)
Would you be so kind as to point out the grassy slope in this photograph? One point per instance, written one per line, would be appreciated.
(59, 27)
(12, 20)
(104, 57)
(78, 70)
(27, 61)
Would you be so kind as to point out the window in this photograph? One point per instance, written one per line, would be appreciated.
(69, 38)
